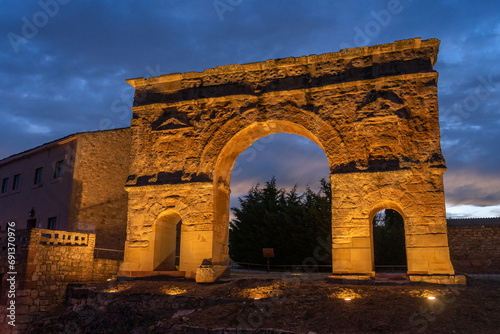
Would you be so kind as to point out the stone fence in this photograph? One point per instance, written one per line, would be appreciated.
(46, 261)
(50, 237)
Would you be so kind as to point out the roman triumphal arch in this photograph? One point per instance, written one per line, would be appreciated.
(373, 110)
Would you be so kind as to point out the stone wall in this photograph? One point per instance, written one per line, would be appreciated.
(99, 197)
(475, 249)
(46, 262)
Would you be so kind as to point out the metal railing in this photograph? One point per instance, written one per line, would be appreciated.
(391, 269)
(283, 267)
(110, 254)
(311, 268)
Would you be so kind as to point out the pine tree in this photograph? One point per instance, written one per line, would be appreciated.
(389, 239)
(290, 223)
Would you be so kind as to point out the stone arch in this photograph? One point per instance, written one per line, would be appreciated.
(387, 204)
(150, 227)
(238, 133)
(373, 110)
(166, 243)
(245, 137)
(238, 143)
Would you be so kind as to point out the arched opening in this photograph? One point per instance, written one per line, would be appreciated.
(289, 211)
(167, 243)
(226, 167)
(389, 246)
(178, 244)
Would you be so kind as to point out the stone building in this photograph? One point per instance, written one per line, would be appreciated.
(75, 183)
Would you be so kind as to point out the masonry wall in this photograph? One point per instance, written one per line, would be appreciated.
(47, 261)
(475, 249)
(99, 197)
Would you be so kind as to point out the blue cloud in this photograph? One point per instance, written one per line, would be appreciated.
(69, 76)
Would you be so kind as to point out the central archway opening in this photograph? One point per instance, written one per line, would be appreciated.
(225, 162)
(389, 247)
(280, 199)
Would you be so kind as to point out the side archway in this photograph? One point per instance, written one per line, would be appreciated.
(167, 241)
(388, 238)
(387, 205)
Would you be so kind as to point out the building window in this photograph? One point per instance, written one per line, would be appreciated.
(38, 175)
(31, 223)
(52, 223)
(16, 182)
(58, 169)
(5, 185)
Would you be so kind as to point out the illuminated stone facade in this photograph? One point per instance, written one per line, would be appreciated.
(373, 110)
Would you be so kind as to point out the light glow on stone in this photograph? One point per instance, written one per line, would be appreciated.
(173, 290)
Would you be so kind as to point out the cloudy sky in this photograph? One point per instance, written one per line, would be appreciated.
(63, 64)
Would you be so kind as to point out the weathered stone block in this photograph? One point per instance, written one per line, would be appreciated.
(44, 302)
(210, 273)
(341, 242)
(341, 254)
(361, 242)
(342, 266)
(427, 240)
(439, 279)
(22, 309)
(24, 318)
(361, 255)
(418, 265)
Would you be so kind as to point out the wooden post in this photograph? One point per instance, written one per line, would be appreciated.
(269, 253)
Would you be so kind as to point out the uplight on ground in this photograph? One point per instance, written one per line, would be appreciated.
(172, 290)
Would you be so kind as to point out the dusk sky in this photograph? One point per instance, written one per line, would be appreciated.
(63, 65)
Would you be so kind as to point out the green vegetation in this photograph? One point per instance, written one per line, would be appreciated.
(296, 224)
(389, 238)
(291, 223)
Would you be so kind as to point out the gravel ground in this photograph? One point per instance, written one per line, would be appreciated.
(296, 303)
